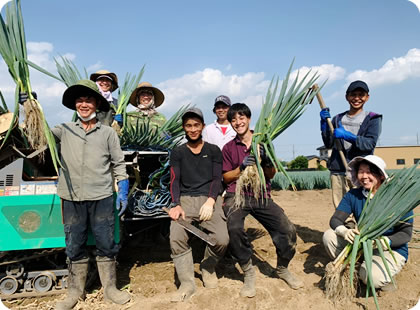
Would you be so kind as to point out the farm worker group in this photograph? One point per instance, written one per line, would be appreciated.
(92, 157)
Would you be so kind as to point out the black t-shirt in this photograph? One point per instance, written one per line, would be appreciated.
(196, 174)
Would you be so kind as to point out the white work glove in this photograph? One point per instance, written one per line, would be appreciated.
(384, 241)
(206, 210)
(346, 233)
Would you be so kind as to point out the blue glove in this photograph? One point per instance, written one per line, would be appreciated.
(325, 113)
(248, 161)
(118, 118)
(122, 198)
(341, 133)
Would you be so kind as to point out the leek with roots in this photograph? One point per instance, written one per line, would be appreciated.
(396, 197)
(129, 85)
(14, 53)
(282, 107)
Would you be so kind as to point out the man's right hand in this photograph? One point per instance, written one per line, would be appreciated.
(23, 96)
(176, 212)
(325, 113)
(346, 233)
(248, 161)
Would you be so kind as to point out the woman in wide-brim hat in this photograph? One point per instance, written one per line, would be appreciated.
(107, 82)
(146, 98)
(368, 174)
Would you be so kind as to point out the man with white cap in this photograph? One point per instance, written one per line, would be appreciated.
(220, 132)
(91, 156)
(196, 173)
(368, 173)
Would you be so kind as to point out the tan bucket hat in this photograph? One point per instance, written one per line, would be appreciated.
(157, 93)
(6, 120)
(111, 75)
(84, 88)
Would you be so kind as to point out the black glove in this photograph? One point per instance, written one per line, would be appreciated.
(23, 96)
(248, 161)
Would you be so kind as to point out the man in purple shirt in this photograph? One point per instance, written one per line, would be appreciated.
(236, 157)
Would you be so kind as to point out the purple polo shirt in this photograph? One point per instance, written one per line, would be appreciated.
(234, 153)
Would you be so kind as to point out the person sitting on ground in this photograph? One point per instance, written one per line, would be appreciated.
(358, 132)
(220, 132)
(236, 157)
(107, 83)
(196, 173)
(368, 173)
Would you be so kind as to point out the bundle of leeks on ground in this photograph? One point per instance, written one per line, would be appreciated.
(14, 53)
(396, 197)
(282, 107)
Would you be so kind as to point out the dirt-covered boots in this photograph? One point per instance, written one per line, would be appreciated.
(184, 267)
(75, 285)
(207, 267)
(248, 289)
(108, 275)
(292, 280)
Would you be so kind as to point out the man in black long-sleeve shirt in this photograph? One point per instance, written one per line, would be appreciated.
(196, 174)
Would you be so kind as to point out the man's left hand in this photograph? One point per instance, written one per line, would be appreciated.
(122, 198)
(206, 210)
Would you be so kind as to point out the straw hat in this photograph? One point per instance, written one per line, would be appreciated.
(112, 76)
(84, 88)
(6, 120)
(157, 93)
(373, 159)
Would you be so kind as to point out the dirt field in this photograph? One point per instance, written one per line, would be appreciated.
(148, 272)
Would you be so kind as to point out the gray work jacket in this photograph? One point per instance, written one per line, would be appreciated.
(88, 159)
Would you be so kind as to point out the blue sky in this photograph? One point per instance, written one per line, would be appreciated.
(197, 50)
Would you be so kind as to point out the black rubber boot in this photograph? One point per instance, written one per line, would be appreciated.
(75, 285)
(248, 289)
(184, 267)
(207, 267)
(291, 279)
(108, 275)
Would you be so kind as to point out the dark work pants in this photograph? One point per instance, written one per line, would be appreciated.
(99, 214)
(274, 220)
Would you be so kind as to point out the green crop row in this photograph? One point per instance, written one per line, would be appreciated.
(308, 180)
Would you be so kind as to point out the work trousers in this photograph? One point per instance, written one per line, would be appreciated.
(334, 244)
(215, 227)
(271, 216)
(340, 185)
(99, 214)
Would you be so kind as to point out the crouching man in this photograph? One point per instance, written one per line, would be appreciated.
(236, 157)
(196, 173)
(90, 153)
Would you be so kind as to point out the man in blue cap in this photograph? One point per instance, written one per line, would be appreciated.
(358, 132)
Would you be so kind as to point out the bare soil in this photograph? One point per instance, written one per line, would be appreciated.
(146, 270)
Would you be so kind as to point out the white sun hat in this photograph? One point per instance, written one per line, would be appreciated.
(373, 159)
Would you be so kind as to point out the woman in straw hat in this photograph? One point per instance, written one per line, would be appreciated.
(146, 98)
(107, 83)
(368, 173)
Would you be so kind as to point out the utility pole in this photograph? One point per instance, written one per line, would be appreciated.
(293, 151)
(417, 138)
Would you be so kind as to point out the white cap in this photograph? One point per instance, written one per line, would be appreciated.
(373, 159)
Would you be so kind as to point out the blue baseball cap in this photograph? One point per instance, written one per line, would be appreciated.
(357, 84)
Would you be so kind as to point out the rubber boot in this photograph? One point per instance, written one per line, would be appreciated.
(75, 285)
(207, 267)
(292, 280)
(108, 275)
(248, 289)
(184, 267)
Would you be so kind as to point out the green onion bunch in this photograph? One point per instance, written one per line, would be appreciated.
(14, 53)
(396, 197)
(282, 107)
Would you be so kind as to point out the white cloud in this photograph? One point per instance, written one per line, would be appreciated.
(393, 71)
(328, 72)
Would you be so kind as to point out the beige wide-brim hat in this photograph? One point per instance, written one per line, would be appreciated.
(84, 88)
(111, 75)
(6, 120)
(157, 93)
(373, 159)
